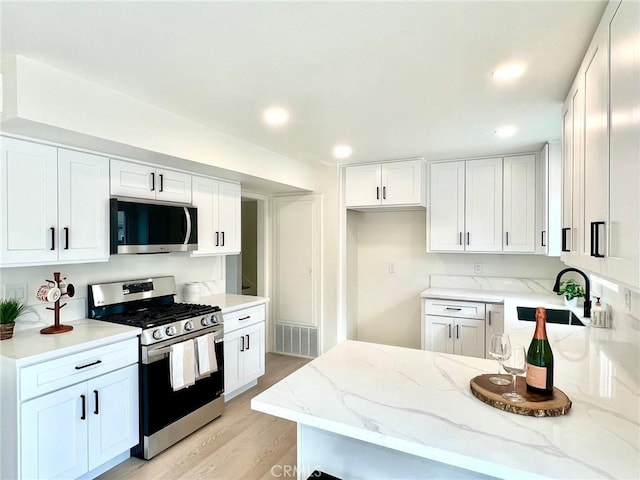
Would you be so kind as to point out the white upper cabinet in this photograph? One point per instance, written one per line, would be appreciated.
(55, 205)
(446, 206)
(130, 179)
(483, 205)
(389, 184)
(519, 203)
(219, 216)
(602, 147)
(549, 200)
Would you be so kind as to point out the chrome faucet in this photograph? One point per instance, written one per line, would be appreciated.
(587, 300)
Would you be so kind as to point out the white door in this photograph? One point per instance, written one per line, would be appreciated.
(130, 179)
(363, 185)
(577, 215)
(112, 411)
(234, 344)
(83, 199)
(54, 435)
(172, 186)
(439, 334)
(229, 217)
(469, 337)
(401, 182)
(483, 202)
(623, 261)
(297, 259)
(28, 203)
(254, 354)
(567, 184)
(446, 206)
(519, 206)
(205, 198)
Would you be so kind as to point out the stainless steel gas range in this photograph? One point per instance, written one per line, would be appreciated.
(167, 415)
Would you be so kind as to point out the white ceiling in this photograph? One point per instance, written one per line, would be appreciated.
(392, 79)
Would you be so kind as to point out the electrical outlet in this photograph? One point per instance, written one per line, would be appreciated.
(17, 291)
(392, 268)
(477, 268)
(627, 299)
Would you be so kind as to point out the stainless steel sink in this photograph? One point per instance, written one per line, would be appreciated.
(564, 317)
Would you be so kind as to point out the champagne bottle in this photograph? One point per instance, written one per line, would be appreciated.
(540, 358)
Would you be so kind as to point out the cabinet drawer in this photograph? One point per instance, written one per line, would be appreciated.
(243, 318)
(41, 378)
(454, 308)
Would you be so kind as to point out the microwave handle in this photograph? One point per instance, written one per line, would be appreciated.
(187, 216)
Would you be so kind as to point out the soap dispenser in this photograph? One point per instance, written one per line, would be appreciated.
(598, 315)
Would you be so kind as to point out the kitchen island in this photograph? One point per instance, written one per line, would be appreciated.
(375, 411)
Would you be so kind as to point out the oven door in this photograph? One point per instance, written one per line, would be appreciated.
(161, 406)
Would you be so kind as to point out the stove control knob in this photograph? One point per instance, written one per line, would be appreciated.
(188, 326)
(171, 330)
(205, 321)
(157, 334)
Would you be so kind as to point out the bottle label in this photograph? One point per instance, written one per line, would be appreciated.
(537, 376)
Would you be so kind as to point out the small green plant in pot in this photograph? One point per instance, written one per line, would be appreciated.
(9, 310)
(571, 291)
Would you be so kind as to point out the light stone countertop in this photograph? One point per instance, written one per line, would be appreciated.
(230, 302)
(30, 346)
(419, 402)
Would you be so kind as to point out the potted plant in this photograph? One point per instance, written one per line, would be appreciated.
(9, 310)
(571, 291)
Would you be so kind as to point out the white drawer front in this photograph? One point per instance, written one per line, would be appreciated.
(454, 308)
(243, 318)
(36, 380)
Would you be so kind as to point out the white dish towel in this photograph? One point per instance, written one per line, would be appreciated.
(206, 355)
(182, 365)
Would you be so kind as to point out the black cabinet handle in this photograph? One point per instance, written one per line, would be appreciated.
(66, 238)
(377, 193)
(242, 348)
(453, 309)
(97, 362)
(384, 193)
(565, 247)
(53, 238)
(468, 238)
(153, 181)
(489, 317)
(449, 330)
(595, 239)
(507, 238)
(244, 318)
(217, 239)
(84, 407)
(542, 242)
(248, 344)
(97, 410)
(222, 239)
(460, 238)
(161, 182)
(457, 331)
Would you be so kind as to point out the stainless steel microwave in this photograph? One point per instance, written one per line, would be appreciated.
(149, 227)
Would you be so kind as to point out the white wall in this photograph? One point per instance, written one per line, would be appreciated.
(120, 267)
(388, 304)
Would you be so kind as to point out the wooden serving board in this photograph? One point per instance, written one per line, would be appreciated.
(535, 406)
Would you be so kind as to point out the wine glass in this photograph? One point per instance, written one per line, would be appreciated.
(500, 349)
(516, 364)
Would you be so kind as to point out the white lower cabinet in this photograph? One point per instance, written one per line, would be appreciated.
(74, 430)
(244, 349)
(70, 416)
(494, 323)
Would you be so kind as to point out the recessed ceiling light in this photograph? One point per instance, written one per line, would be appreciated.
(505, 131)
(508, 72)
(275, 116)
(342, 151)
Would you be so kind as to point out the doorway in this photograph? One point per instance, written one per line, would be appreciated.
(249, 256)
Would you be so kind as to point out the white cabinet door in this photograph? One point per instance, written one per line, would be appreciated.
(28, 203)
(254, 352)
(112, 410)
(229, 217)
(54, 435)
(519, 203)
(494, 324)
(567, 184)
(446, 206)
(130, 179)
(205, 198)
(172, 186)
(439, 334)
(469, 338)
(83, 199)
(623, 260)
(577, 232)
(402, 182)
(363, 185)
(233, 350)
(483, 205)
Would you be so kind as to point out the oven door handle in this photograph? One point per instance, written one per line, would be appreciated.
(187, 217)
(154, 354)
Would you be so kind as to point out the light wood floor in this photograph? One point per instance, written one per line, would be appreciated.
(240, 445)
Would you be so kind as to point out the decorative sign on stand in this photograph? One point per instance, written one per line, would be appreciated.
(53, 292)
(534, 406)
